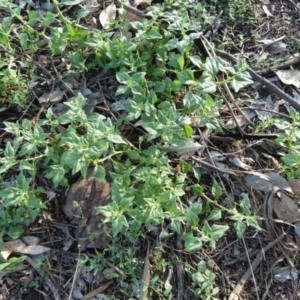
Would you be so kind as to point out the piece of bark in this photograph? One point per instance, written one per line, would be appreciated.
(82, 198)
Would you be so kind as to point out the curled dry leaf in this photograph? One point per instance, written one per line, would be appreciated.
(82, 199)
(55, 96)
(286, 273)
(290, 77)
(168, 284)
(265, 182)
(274, 164)
(91, 5)
(131, 17)
(188, 146)
(239, 163)
(19, 247)
(43, 60)
(30, 240)
(266, 10)
(107, 15)
(286, 208)
(231, 122)
(295, 185)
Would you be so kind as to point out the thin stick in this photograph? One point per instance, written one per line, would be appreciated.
(273, 88)
(238, 288)
(48, 281)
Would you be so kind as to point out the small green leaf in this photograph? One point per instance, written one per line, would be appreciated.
(198, 190)
(186, 76)
(15, 231)
(23, 40)
(240, 228)
(186, 167)
(150, 111)
(252, 221)
(214, 215)
(99, 173)
(199, 278)
(31, 168)
(82, 13)
(153, 33)
(196, 60)
(172, 44)
(291, 160)
(206, 229)
(27, 149)
(282, 124)
(211, 123)
(125, 203)
(6, 164)
(176, 224)
(9, 150)
(294, 114)
(216, 190)
(133, 154)
(240, 80)
(119, 168)
(245, 205)
(34, 16)
(106, 212)
(70, 157)
(192, 214)
(197, 174)
(49, 18)
(82, 165)
(77, 61)
(4, 38)
(123, 76)
(183, 46)
(6, 22)
(187, 131)
(11, 264)
(191, 243)
(115, 138)
(217, 231)
(159, 87)
(192, 101)
(180, 61)
(57, 174)
(216, 64)
(206, 84)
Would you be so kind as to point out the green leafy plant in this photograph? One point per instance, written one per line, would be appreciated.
(288, 138)
(204, 281)
(13, 85)
(169, 88)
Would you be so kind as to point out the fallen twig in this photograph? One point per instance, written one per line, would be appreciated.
(97, 291)
(47, 280)
(238, 288)
(131, 9)
(273, 88)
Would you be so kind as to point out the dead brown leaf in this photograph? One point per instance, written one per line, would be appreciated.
(286, 208)
(108, 14)
(83, 197)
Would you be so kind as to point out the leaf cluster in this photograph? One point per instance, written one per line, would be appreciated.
(154, 62)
